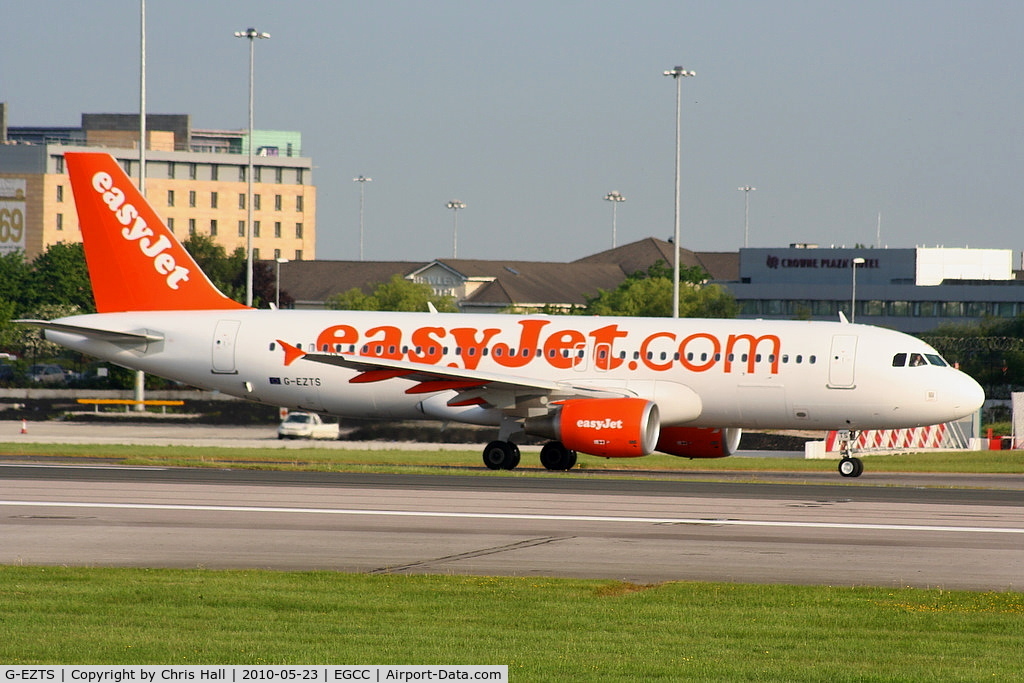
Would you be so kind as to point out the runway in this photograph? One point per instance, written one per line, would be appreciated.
(640, 531)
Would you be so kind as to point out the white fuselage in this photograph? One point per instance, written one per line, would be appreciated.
(744, 373)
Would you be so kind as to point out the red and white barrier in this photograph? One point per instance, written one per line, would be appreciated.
(934, 436)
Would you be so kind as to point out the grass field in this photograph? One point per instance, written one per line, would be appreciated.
(543, 629)
(401, 460)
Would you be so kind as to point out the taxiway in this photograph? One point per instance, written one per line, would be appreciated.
(641, 531)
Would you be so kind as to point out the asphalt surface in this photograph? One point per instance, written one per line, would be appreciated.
(945, 531)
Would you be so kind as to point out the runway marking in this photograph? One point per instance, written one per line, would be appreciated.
(63, 466)
(515, 516)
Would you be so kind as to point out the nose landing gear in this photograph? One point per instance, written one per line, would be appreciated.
(848, 466)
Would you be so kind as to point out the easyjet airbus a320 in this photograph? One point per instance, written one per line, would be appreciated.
(610, 387)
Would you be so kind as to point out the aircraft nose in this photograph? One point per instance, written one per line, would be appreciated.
(969, 395)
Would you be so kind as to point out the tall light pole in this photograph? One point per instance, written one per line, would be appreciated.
(677, 73)
(277, 282)
(140, 376)
(252, 34)
(142, 97)
(362, 180)
(455, 205)
(616, 198)
(746, 190)
(853, 292)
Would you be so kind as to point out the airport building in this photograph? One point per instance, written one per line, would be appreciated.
(195, 179)
(912, 290)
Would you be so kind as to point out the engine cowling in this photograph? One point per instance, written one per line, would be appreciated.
(609, 427)
(699, 442)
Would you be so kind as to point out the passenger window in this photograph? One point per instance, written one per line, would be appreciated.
(899, 360)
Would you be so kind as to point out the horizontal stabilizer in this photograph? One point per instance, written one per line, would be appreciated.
(95, 333)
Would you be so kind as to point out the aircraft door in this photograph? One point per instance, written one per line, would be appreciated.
(841, 361)
(224, 338)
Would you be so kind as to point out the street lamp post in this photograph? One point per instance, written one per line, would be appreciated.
(677, 73)
(853, 292)
(746, 190)
(277, 282)
(616, 198)
(455, 205)
(362, 180)
(252, 34)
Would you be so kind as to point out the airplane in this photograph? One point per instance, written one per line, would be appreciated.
(611, 387)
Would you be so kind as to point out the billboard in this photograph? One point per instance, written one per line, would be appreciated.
(12, 215)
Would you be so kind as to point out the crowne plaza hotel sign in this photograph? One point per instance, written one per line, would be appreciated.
(774, 262)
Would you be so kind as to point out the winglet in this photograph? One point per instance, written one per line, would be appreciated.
(135, 262)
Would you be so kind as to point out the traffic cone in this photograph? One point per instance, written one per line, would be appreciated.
(24, 426)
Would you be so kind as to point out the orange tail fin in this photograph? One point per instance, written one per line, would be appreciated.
(135, 262)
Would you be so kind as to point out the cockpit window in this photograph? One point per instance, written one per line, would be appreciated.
(918, 359)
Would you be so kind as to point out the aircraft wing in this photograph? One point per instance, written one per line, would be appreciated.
(95, 332)
(505, 391)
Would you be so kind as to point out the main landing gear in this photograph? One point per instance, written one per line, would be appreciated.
(555, 456)
(504, 455)
(501, 455)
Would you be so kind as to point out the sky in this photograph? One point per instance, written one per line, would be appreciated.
(531, 111)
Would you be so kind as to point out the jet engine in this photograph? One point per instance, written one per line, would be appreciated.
(609, 427)
(699, 442)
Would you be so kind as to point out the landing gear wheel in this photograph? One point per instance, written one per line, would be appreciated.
(851, 467)
(501, 455)
(555, 456)
(513, 462)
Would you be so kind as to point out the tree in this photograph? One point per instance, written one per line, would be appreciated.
(397, 294)
(649, 294)
(15, 272)
(354, 299)
(59, 276)
(227, 273)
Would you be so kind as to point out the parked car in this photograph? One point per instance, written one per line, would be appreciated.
(306, 426)
(46, 373)
(7, 373)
